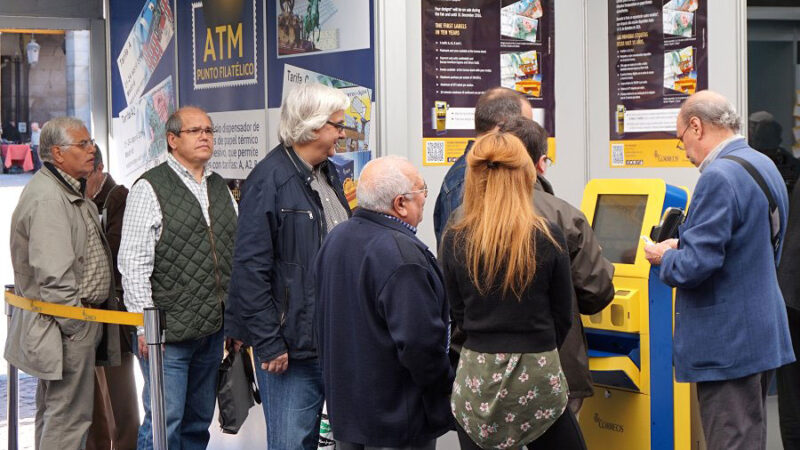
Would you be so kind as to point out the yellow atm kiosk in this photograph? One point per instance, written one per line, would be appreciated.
(637, 404)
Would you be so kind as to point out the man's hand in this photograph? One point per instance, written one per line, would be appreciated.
(277, 365)
(237, 344)
(654, 252)
(143, 350)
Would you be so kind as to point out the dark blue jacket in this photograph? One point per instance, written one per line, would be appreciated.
(450, 195)
(382, 319)
(730, 318)
(281, 227)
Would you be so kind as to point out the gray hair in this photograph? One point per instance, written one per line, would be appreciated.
(377, 193)
(56, 133)
(306, 109)
(175, 124)
(98, 158)
(714, 110)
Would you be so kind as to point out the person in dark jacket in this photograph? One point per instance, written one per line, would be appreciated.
(382, 318)
(592, 274)
(788, 376)
(494, 106)
(115, 386)
(290, 202)
(508, 282)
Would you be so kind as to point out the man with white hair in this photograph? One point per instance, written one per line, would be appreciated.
(730, 320)
(60, 256)
(382, 318)
(290, 202)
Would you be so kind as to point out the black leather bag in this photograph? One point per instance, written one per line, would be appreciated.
(237, 391)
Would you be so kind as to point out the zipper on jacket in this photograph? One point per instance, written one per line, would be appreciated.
(299, 211)
(214, 253)
(285, 311)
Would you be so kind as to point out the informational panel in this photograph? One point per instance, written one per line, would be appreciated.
(142, 84)
(221, 69)
(658, 57)
(469, 46)
(329, 42)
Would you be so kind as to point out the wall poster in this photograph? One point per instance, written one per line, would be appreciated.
(142, 84)
(469, 46)
(328, 42)
(221, 69)
(658, 52)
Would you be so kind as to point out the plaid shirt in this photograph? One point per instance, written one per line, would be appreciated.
(334, 211)
(141, 229)
(96, 278)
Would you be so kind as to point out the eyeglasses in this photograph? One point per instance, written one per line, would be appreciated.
(197, 131)
(84, 145)
(679, 145)
(424, 191)
(340, 126)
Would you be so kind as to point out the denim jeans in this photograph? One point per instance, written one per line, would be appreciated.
(292, 403)
(190, 392)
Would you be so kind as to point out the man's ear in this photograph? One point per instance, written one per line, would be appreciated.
(399, 205)
(171, 141)
(541, 164)
(55, 151)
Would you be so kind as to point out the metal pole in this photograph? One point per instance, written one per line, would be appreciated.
(12, 392)
(153, 335)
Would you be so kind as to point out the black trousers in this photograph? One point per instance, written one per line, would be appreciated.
(564, 434)
(788, 378)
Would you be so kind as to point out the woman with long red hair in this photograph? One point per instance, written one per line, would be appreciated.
(508, 282)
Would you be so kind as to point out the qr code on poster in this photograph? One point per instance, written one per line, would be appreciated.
(434, 151)
(617, 154)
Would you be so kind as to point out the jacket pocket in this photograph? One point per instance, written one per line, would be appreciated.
(701, 340)
(297, 235)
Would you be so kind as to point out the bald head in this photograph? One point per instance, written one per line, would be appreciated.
(392, 185)
(712, 109)
(498, 105)
(706, 119)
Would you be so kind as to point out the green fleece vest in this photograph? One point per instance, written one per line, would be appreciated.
(193, 261)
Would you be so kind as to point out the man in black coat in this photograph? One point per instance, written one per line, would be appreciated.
(382, 318)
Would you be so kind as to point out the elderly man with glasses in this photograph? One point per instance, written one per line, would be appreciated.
(382, 319)
(60, 256)
(291, 201)
(175, 254)
(731, 329)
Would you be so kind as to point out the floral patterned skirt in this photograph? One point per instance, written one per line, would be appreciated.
(505, 400)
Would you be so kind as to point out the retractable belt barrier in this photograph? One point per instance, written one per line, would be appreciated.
(151, 319)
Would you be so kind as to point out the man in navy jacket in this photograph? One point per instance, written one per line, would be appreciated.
(382, 318)
(730, 321)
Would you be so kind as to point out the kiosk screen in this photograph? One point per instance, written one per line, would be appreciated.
(617, 224)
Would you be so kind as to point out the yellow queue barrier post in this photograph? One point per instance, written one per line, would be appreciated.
(152, 320)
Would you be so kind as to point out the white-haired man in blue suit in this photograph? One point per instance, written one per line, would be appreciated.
(731, 330)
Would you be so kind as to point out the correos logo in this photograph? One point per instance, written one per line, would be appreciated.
(608, 425)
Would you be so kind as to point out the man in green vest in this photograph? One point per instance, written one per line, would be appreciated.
(177, 244)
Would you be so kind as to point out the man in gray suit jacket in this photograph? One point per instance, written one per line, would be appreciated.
(730, 321)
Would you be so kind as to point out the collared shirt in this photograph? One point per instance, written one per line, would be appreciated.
(334, 211)
(96, 278)
(717, 150)
(412, 228)
(141, 229)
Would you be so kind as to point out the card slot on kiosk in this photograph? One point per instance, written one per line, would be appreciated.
(637, 403)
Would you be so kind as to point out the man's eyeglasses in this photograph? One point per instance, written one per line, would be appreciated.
(339, 126)
(84, 145)
(424, 191)
(197, 131)
(679, 145)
